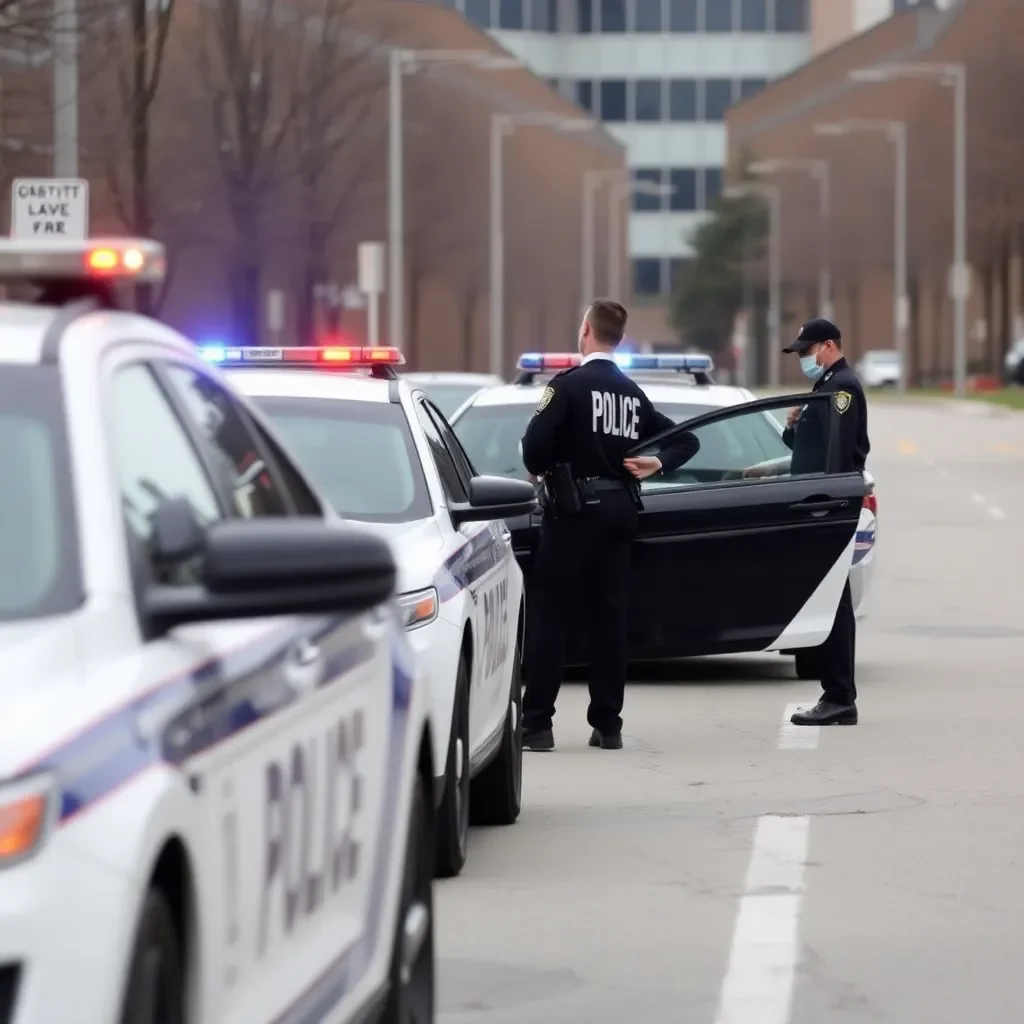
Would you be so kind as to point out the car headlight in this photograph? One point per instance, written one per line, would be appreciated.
(418, 607)
(27, 811)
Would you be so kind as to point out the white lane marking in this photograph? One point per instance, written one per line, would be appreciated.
(758, 986)
(797, 737)
(996, 513)
(978, 499)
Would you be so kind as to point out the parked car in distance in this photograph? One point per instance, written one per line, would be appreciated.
(879, 368)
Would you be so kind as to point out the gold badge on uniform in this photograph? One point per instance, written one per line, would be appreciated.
(545, 400)
(842, 401)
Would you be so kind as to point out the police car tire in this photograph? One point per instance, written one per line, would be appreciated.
(807, 662)
(453, 814)
(156, 940)
(497, 792)
(411, 998)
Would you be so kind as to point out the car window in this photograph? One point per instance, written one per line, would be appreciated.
(448, 397)
(305, 501)
(454, 488)
(237, 460)
(155, 460)
(451, 442)
(491, 434)
(39, 565)
(748, 444)
(360, 455)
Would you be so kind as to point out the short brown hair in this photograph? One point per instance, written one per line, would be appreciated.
(607, 320)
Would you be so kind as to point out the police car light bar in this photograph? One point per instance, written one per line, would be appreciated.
(106, 259)
(328, 357)
(531, 364)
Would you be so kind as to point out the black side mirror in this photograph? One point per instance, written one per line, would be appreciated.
(495, 497)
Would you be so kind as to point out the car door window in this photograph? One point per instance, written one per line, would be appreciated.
(306, 503)
(454, 488)
(747, 444)
(155, 460)
(452, 443)
(239, 463)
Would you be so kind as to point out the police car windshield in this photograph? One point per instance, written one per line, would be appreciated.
(39, 571)
(360, 454)
(491, 433)
(448, 397)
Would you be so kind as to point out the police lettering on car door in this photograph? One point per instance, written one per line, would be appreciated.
(496, 638)
(617, 415)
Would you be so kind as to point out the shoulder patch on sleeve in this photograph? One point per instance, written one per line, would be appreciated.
(545, 400)
(842, 400)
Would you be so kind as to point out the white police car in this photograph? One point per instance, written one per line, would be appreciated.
(724, 562)
(385, 457)
(448, 389)
(215, 753)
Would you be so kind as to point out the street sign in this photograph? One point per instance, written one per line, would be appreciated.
(50, 208)
(371, 268)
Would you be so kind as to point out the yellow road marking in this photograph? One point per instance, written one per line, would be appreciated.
(906, 447)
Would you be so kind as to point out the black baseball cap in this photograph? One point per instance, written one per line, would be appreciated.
(814, 331)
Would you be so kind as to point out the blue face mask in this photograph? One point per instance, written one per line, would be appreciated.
(809, 364)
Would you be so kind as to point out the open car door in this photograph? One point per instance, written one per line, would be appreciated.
(734, 553)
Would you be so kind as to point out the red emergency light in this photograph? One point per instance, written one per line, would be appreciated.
(539, 362)
(340, 357)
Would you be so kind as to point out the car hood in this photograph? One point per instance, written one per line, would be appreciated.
(40, 661)
(417, 547)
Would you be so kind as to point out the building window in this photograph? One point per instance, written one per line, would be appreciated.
(753, 15)
(584, 16)
(613, 15)
(647, 14)
(644, 202)
(479, 12)
(717, 15)
(648, 99)
(790, 15)
(682, 15)
(683, 181)
(682, 99)
(712, 186)
(613, 100)
(542, 15)
(751, 86)
(647, 276)
(585, 94)
(717, 98)
(510, 14)
(677, 266)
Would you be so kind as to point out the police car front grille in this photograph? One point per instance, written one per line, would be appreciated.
(10, 975)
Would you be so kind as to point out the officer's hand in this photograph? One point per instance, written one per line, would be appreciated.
(643, 466)
(792, 417)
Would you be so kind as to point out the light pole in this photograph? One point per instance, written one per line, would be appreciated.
(896, 133)
(503, 125)
(65, 88)
(616, 194)
(954, 76)
(592, 181)
(771, 194)
(819, 171)
(401, 63)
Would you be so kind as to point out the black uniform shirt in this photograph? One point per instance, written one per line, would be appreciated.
(591, 417)
(809, 437)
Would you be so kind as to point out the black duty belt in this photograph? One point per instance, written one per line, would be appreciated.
(604, 483)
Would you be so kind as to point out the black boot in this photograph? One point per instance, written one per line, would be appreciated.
(825, 712)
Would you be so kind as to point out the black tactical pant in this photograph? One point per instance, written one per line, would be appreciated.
(837, 654)
(582, 575)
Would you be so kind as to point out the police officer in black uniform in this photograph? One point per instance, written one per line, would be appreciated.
(820, 346)
(586, 422)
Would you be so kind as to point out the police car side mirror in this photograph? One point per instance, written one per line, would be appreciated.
(251, 568)
(495, 497)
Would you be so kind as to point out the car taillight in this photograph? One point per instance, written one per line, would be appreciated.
(870, 502)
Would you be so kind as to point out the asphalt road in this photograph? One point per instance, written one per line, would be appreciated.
(716, 871)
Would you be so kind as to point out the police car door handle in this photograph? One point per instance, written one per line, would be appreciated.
(303, 665)
(819, 507)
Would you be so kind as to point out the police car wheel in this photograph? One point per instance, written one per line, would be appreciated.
(156, 981)
(807, 663)
(453, 814)
(497, 792)
(411, 977)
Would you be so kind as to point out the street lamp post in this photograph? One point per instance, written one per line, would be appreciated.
(772, 195)
(616, 194)
(820, 172)
(592, 181)
(401, 63)
(896, 133)
(503, 125)
(955, 76)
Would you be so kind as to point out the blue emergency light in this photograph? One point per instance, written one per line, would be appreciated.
(530, 364)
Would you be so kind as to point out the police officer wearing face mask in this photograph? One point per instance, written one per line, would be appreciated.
(585, 424)
(820, 347)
